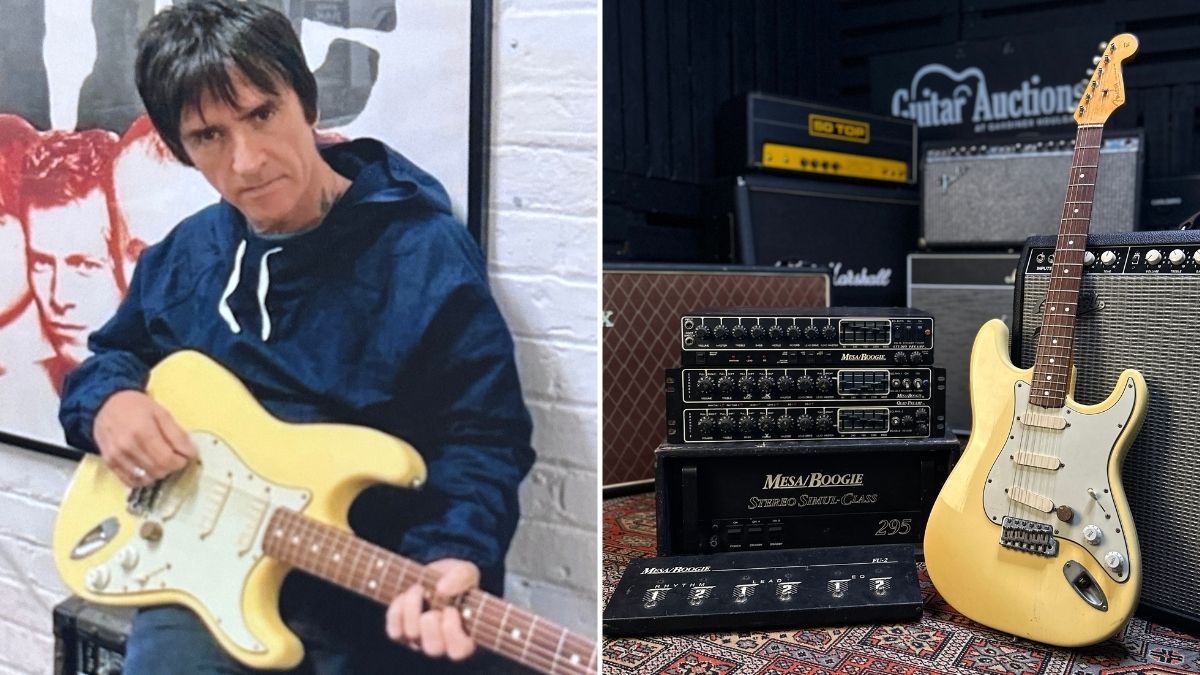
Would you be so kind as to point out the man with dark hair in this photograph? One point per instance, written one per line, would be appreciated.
(336, 284)
(72, 242)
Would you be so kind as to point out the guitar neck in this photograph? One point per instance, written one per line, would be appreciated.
(1055, 352)
(369, 570)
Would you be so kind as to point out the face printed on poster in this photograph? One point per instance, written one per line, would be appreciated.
(86, 184)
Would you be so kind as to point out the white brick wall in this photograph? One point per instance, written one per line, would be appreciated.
(543, 251)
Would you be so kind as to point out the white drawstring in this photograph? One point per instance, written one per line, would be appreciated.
(264, 284)
(234, 278)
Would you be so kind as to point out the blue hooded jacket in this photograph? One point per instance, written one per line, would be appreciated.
(381, 316)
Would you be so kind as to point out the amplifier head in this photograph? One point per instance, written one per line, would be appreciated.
(1138, 315)
(747, 496)
(641, 308)
(998, 194)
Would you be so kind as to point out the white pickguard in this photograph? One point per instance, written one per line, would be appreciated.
(1084, 448)
(213, 516)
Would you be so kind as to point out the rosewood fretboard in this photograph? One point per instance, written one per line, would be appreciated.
(381, 575)
(1052, 366)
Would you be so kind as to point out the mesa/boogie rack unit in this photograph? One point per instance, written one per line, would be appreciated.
(718, 423)
(706, 385)
(803, 336)
(733, 591)
(753, 496)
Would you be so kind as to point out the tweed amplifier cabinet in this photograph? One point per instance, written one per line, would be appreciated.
(860, 232)
(751, 496)
(641, 309)
(1137, 309)
(962, 291)
(999, 194)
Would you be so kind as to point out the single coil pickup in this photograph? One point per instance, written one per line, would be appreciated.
(1028, 536)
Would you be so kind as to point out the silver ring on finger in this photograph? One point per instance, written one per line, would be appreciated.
(139, 473)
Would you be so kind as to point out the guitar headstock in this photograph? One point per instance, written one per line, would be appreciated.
(1104, 91)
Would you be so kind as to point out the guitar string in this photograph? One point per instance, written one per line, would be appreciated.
(534, 647)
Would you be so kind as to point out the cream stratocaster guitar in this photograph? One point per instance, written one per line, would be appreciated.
(263, 497)
(1032, 534)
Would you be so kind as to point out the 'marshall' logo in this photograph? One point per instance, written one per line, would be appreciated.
(815, 479)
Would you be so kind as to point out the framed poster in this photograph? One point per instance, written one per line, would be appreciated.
(86, 185)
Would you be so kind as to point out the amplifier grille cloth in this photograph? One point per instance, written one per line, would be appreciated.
(1143, 320)
(1008, 199)
(643, 340)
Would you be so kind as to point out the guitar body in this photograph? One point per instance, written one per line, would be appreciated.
(1060, 589)
(197, 540)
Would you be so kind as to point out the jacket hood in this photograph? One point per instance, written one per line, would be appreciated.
(381, 180)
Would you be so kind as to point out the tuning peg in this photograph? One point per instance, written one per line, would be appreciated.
(1090, 71)
(1095, 60)
(1103, 45)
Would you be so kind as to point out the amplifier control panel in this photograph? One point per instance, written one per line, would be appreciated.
(806, 384)
(1174, 258)
(785, 422)
(849, 336)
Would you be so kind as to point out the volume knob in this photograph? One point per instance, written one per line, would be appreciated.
(1177, 257)
(739, 332)
(725, 385)
(1108, 258)
(1114, 561)
(705, 425)
(1089, 258)
(1092, 535)
(824, 384)
(1153, 257)
(824, 422)
(829, 334)
(705, 385)
(1196, 257)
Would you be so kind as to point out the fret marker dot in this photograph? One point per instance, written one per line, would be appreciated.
(379, 563)
(575, 659)
(1076, 210)
(1072, 241)
(295, 540)
(1081, 175)
(337, 557)
(1056, 342)
(278, 533)
(1047, 392)
(371, 584)
(1053, 309)
(467, 613)
(516, 633)
(315, 548)
(1047, 377)
(1051, 360)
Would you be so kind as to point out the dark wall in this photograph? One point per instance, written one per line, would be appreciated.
(670, 64)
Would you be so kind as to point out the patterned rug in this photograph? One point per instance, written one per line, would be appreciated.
(942, 642)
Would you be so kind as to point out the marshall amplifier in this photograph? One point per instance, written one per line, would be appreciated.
(748, 336)
(795, 136)
(641, 309)
(802, 494)
(962, 291)
(1138, 309)
(860, 232)
(89, 639)
(998, 194)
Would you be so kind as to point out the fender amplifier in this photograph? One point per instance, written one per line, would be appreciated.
(89, 639)
(1137, 309)
(997, 195)
(641, 309)
(746, 496)
(962, 291)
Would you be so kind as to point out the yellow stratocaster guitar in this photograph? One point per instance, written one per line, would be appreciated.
(1032, 534)
(263, 497)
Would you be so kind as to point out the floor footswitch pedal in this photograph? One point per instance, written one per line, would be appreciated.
(759, 589)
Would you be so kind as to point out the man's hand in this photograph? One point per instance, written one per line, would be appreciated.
(139, 440)
(436, 630)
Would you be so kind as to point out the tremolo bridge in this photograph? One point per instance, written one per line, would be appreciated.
(1028, 536)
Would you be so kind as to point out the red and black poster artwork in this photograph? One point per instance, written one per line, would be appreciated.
(86, 184)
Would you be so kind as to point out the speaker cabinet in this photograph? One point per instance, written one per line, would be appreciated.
(641, 306)
(999, 194)
(860, 232)
(962, 291)
(1132, 316)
